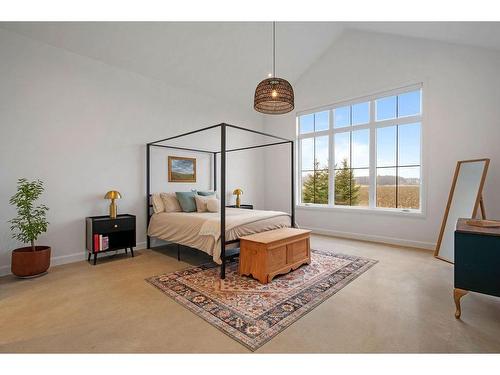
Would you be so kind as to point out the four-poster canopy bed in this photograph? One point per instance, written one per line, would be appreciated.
(223, 154)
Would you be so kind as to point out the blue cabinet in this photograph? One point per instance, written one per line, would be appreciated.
(477, 261)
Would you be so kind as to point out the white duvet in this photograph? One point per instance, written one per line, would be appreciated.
(201, 230)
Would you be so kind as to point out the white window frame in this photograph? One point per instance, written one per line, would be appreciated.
(372, 125)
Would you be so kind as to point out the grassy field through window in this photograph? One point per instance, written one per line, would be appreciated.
(408, 196)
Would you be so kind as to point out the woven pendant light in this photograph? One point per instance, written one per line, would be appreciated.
(274, 96)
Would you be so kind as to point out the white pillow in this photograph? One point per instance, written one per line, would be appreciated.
(213, 205)
(157, 203)
(208, 203)
(201, 203)
(170, 202)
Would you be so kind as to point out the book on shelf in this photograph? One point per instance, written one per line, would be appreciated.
(96, 243)
(105, 243)
(100, 243)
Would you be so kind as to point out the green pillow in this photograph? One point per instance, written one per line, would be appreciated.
(206, 193)
(186, 200)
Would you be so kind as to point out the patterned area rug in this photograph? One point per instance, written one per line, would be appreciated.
(253, 313)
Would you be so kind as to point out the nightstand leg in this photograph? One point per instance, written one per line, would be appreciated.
(178, 252)
(90, 254)
(126, 251)
(457, 294)
(132, 251)
(95, 259)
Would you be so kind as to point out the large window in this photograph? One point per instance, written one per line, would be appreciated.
(364, 152)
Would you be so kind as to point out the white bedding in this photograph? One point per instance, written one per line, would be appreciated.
(201, 230)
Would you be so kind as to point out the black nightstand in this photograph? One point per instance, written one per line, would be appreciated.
(120, 233)
(245, 206)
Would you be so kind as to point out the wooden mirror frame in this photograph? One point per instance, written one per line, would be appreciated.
(478, 203)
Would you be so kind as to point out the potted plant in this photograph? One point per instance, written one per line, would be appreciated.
(27, 227)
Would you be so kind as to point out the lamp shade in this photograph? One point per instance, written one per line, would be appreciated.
(112, 194)
(237, 191)
(274, 96)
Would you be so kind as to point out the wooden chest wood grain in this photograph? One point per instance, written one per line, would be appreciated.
(267, 254)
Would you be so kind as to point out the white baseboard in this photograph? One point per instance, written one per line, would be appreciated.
(373, 238)
(65, 259)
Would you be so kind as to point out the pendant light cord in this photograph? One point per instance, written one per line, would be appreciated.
(274, 49)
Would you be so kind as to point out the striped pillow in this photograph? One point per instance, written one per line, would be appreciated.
(170, 202)
(157, 203)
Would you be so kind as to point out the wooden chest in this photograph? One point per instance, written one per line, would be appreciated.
(267, 254)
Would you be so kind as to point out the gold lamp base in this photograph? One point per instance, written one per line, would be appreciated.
(238, 192)
(113, 209)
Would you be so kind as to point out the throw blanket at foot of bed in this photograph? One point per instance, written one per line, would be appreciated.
(236, 218)
(201, 230)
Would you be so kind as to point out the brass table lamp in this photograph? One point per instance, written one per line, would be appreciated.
(113, 194)
(237, 192)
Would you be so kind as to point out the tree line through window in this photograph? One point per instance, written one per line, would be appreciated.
(337, 163)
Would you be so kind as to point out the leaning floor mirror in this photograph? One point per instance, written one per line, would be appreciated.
(463, 202)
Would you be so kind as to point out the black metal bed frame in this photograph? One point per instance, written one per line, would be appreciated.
(223, 151)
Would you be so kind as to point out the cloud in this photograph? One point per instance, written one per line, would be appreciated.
(182, 166)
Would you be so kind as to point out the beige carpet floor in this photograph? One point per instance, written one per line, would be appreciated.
(403, 304)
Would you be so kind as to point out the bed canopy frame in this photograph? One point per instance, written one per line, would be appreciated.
(223, 151)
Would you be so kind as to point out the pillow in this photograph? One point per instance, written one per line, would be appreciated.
(170, 202)
(157, 203)
(204, 204)
(213, 205)
(206, 193)
(201, 203)
(186, 200)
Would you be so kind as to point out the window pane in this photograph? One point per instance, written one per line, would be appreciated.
(307, 150)
(409, 187)
(409, 144)
(386, 108)
(342, 117)
(308, 187)
(321, 157)
(360, 148)
(361, 113)
(386, 187)
(306, 124)
(360, 187)
(321, 121)
(409, 104)
(321, 187)
(343, 179)
(342, 150)
(386, 147)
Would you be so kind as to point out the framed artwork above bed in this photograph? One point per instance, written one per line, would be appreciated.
(181, 169)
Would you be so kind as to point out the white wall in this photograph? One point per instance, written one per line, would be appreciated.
(81, 126)
(461, 121)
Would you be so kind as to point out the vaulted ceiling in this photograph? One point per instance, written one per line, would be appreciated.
(227, 60)
(222, 59)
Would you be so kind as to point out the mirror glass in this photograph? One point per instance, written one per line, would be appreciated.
(463, 202)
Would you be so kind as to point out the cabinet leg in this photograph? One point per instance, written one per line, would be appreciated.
(126, 251)
(178, 252)
(132, 251)
(88, 259)
(457, 295)
(95, 259)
